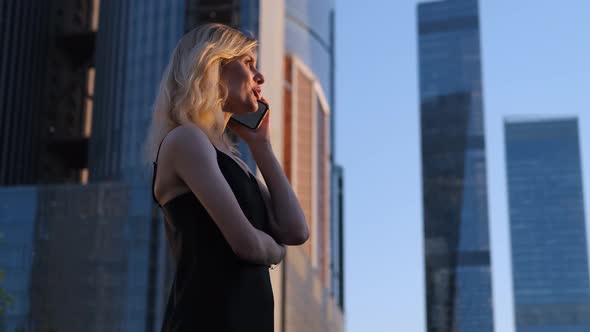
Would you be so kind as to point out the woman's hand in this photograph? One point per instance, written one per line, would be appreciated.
(253, 137)
(280, 258)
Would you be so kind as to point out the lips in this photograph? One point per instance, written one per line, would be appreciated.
(257, 92)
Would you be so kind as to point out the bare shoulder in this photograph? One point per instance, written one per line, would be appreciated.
(189, 141)
(188, 133)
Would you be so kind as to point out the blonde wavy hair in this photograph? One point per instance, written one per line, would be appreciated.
(191, 90)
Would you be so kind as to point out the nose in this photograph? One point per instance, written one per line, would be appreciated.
(259, 78)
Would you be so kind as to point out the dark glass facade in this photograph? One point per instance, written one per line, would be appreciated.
(93, 257)
(82, 258)
(547, 225)
(17, 226)
(134, 44)
(337, 236)
(456, 239)
(45, 56)
(21, 92)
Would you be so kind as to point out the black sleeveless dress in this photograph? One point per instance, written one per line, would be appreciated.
(214, 290)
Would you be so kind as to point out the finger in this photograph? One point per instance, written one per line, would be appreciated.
(262, 99)
(265, 120)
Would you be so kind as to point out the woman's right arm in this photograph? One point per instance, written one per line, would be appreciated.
(195, 162)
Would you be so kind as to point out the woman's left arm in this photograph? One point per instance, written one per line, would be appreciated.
(287, 221)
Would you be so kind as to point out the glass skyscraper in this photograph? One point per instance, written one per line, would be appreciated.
(547, 225)
(134, 44)
(46, 65)
(81, 258)
(456, 239)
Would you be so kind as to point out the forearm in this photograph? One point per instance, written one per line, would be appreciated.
(289, 216)
(264, 250)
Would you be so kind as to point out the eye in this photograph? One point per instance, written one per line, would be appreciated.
(250, 62)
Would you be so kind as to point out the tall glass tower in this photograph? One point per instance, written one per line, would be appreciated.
(134, 44)
(547, 225)
(456, 240)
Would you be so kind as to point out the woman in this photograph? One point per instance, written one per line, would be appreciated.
(225, 227)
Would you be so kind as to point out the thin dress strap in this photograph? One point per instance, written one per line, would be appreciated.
(154, 173)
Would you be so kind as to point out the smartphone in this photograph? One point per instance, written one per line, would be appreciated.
(252, 120)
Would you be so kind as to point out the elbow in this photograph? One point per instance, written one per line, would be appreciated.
(298, 237)
(304, 234)
(302, 238)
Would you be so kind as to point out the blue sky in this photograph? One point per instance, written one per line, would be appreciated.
(536, 61)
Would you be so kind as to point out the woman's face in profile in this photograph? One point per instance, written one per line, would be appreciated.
(243, 80)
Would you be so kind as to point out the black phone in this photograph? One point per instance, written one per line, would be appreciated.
(252, 120)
